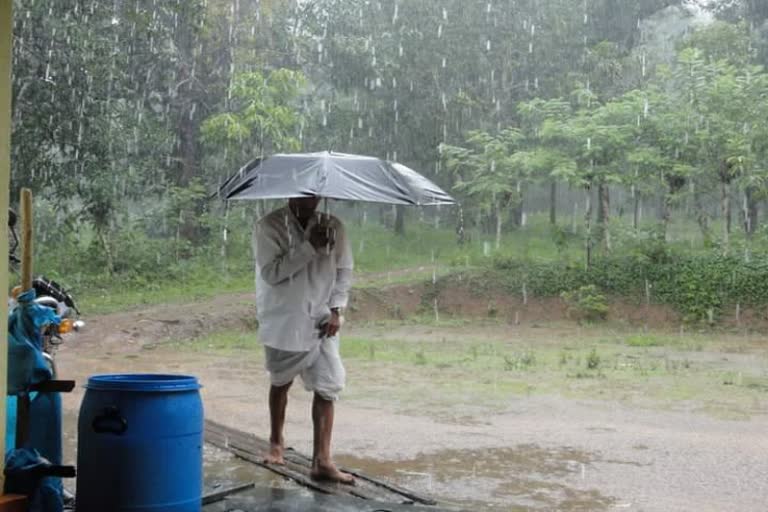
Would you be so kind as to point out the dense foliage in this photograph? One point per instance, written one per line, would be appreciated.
(128, 115)
(700, 287)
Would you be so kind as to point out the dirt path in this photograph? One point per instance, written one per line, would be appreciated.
(535, 452)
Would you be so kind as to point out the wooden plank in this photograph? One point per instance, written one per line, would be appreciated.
(252, 448)
(299, 464)
(215, 496)
(225, 442)
(290, 470)
(280, 470)
(415, 497)
(298, 458)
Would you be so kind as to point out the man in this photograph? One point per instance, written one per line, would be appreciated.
(303, 276)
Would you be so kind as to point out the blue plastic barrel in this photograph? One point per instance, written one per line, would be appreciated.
(140, 444)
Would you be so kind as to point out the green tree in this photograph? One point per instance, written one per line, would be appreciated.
(488, 174)
(262, 118)
(546, 162)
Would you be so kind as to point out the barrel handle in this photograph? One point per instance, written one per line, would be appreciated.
(110, 421)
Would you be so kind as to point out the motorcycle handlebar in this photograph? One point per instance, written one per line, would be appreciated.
(53, 289)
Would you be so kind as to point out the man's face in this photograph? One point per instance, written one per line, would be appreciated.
(304, 207)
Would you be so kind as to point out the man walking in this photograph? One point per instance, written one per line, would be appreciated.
(303, 275)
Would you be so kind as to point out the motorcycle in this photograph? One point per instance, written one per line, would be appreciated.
(49, 294)
(43, 408)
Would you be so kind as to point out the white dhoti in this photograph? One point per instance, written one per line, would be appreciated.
(320, 368)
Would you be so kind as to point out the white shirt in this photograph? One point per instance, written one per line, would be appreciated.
(296, 285)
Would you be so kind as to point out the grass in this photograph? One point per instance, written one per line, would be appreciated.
(109, 299)
(449, 366)
(646, 340)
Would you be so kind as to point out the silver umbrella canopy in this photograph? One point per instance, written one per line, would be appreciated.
(334, 176)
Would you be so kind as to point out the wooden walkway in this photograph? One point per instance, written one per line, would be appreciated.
(297, 467)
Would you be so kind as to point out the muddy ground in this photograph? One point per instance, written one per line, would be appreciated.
(520, 436)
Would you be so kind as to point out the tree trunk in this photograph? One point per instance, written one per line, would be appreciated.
(360, 214)
(750, 210)
(702, 217)
(498, 226)
(517, 214)
(225, 234)
(603, 215)
(725, 210)
(600, 211)
(574, 229)
(553, 203)
(187, 150)
(666, 208)
(400, 220)
(107, 250)
(200, 80)
(635, 208)
(460, 234)
(588, 223)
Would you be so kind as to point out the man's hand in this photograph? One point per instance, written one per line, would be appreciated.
(332, 326)
(321, 236)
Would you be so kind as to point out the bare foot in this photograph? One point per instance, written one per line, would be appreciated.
(275, 455)
(330, 473)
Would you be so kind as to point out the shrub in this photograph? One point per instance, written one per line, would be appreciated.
(586, 303)
(696, 285)
(593, 360)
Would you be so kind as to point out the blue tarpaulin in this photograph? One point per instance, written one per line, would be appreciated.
(27, 366)
(24, 474)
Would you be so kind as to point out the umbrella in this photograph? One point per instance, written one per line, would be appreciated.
(335, 176)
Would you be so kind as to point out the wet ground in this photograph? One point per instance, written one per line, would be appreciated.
(593, 444)
(285, 500)
(524, 477)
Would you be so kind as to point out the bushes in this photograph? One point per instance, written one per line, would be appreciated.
(586, 303)
(697, 286)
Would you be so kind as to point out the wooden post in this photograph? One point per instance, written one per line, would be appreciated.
(6, 44)
(23, 403)
(26, 239)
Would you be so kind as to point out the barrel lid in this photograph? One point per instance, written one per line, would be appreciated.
(148, 382)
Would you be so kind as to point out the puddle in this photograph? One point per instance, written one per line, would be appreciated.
(296, 500)
(526, 477)
(223, 470)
